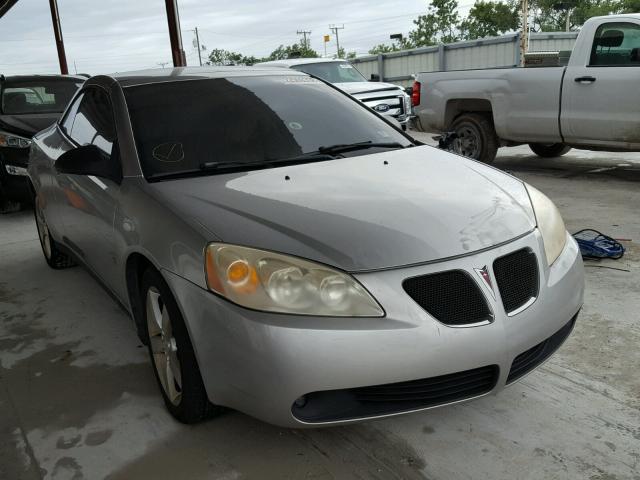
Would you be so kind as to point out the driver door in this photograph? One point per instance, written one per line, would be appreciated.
(90, 201)
(600, 101)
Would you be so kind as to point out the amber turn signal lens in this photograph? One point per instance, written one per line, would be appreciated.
(238, 272)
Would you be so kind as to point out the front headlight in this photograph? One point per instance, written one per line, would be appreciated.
(13, 141)
(273, 282)
(550, 224)
(14, 170)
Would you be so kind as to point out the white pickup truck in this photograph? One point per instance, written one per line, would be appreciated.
(385, 98)
(592, 103)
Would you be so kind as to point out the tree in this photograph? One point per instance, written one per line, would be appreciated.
(297, 50)
(383, 48)
(551, 15)
(439, 25)
(342, 53)
(630, 6)
(219, 56)
(396, 45)
(489, 19)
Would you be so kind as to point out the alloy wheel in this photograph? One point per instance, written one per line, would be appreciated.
(163, 346)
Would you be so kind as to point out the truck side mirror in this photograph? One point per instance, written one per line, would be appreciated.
(375, 77)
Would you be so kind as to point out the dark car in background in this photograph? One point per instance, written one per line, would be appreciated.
(28, 104)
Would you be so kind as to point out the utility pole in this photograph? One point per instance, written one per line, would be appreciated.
(568, 25)
(304, 33)
(198, 45)
(334, 29)
(524, 35)
(57, 33)
(175, 37)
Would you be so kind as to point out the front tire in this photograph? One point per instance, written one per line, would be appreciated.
(172, 355)
(475, 137)
(549, 150)
(54, 257)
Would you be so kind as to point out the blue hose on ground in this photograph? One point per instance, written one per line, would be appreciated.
(594, 244)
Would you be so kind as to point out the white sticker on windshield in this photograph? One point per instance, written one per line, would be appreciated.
(301, 79)
(346, 65)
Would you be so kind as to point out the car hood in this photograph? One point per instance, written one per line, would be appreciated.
(27, 124)
(368, 212)
(354, 88)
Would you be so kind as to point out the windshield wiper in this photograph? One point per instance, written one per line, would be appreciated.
(349, 147)
(235, 165)
(305, 157)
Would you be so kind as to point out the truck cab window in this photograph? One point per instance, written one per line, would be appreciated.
(616, 44)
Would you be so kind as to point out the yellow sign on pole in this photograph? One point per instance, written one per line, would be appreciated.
(327, 38)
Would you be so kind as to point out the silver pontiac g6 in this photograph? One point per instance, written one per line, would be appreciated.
(289, 253)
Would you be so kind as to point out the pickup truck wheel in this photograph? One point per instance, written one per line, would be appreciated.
(475, 137)
(549, 150)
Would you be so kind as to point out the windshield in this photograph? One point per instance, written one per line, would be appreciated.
(332, 72)
(185, 126)
(37, 96)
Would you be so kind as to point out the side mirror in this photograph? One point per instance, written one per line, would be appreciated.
(88, 160)
(375, 77)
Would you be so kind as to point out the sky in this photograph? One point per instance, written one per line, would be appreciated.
(118, 35)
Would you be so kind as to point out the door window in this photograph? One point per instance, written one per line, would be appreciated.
(615, 45)
(93, 123)
(67, 121)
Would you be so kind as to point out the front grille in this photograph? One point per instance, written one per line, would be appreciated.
(527, 361)
(334, 405)
(517, 278)
(396, 104)
(451, 297)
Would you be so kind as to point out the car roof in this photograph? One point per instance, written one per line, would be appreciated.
(27, 78)
(161, 75)
(292, 62)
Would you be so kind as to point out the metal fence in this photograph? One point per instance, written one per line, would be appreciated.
(497, 52)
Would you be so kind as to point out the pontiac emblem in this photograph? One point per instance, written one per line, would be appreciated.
(484, 274)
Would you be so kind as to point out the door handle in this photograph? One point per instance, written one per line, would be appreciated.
(585, 79)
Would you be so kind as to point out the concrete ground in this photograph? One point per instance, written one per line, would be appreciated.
(78, 399)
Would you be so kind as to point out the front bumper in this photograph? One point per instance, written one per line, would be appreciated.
(260, 363)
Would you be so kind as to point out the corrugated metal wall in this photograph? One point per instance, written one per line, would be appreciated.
(490, 53)
(398, 67)
(552, 42)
